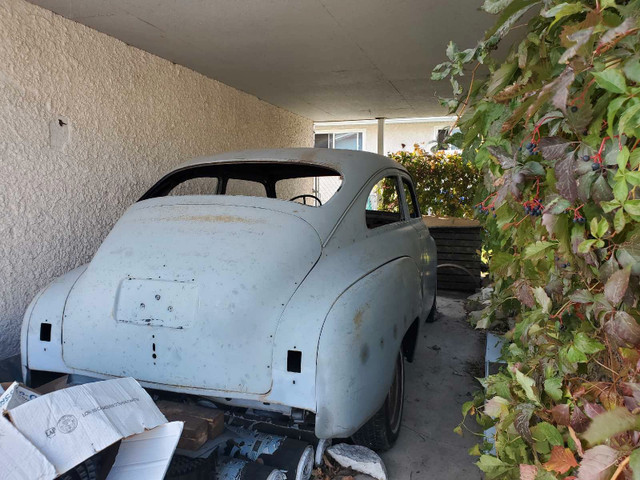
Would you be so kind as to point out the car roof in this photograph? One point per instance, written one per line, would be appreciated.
(355, 165)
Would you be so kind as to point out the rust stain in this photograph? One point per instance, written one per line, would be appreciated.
(215, 219)
(364, 353)
(357, 320)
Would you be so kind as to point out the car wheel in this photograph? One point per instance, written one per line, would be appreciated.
(432, 314)
(382, 430)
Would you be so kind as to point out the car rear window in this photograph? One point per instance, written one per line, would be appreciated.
(311, 185)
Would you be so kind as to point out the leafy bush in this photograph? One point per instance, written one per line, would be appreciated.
(445, 184)
(555, 129)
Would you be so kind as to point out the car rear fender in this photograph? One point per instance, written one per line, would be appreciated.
(360, 339)
(41, 335)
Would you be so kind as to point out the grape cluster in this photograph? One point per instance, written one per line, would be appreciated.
(533, 207)
(562, 265)
(482, 210)
(532, 148)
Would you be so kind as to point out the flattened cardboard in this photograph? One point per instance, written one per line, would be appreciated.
(146, 456)
(70, 425)
(19, 459)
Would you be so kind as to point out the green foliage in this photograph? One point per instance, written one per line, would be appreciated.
(554, 128)
(446, 185)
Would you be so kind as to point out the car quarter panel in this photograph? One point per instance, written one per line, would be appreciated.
(360, 339)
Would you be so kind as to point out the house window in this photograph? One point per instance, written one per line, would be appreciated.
(341, 140)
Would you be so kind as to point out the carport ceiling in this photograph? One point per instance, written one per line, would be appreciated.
(323, 59)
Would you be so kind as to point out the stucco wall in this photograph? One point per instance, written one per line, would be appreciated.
(130, 117)
(395, 134)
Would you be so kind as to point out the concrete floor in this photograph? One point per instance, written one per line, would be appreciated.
(441, 378)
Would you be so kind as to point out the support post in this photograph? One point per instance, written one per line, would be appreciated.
(380, 135)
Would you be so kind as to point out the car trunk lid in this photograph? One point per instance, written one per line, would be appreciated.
(189, 295)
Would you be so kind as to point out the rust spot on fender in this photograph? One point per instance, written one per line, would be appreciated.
(357, 320)
(364, 353)
(215, 219)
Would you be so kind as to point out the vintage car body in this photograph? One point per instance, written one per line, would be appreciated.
(251, 301)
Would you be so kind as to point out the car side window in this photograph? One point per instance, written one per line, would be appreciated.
(410, 195)
(383, 203)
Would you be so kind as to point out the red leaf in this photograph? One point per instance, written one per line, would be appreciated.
(528, 472)
(617, 285)
(561, 461)
(623, 329)
(566, 184)
(597, 464)
(561, 414)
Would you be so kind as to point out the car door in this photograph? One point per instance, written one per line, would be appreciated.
(426, 255)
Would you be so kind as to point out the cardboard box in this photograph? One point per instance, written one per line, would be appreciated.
(16, 394)
(64, 428)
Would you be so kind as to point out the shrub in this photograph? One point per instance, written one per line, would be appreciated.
(555, 129)
(445, 184)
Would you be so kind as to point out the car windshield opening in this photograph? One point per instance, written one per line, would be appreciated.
(307, 184)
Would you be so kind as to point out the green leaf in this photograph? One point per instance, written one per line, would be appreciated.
(553, 387)
(623, 157)
(586, 344)
(564, 9)
(575, 356)
(619, 221)
(634, 463)
(537, 248)
(543, 299)
(585, 245)
(611, 80)
(609, 423)
(632, 207)
(610, 206)
(493, 467)
(633, 178)
(631, 69)
(634, 158)
(527, 384)
(620, 190)
(612, 109)
(627, 116)
(495, 6)
(466, 406)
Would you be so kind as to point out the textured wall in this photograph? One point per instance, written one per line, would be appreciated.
(130, 117)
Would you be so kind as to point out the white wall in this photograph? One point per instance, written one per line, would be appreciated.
(395, 134)
(130, 118)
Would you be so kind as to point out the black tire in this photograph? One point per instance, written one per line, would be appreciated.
(382, 430)
(432, 314)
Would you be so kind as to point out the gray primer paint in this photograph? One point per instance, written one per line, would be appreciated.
(87, 124)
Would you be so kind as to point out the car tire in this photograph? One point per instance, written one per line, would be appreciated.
(432, 313)
(382, 430)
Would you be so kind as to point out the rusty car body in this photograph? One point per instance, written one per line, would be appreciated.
(254, 301)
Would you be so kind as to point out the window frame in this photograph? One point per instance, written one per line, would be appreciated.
(412, 191)
(402, 207)
(332, 145)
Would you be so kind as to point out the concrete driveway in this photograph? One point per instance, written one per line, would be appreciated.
(441, 378)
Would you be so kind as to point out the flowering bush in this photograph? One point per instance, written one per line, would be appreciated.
(554, 128)
(445, 184)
